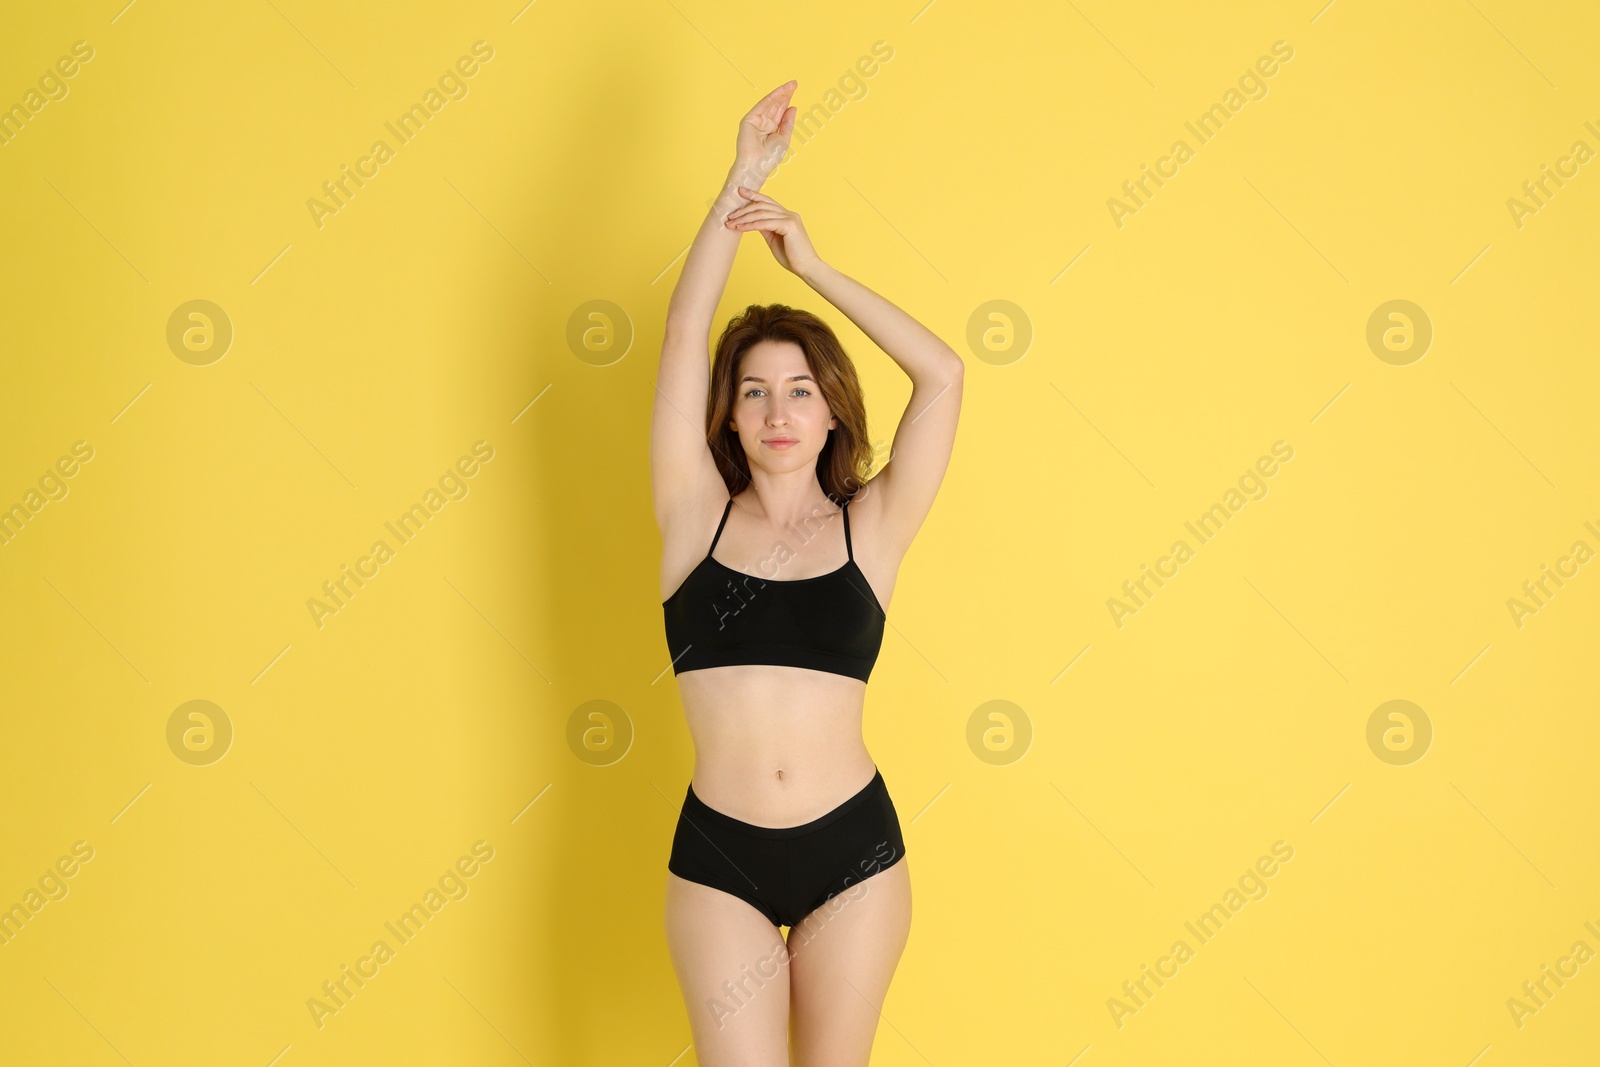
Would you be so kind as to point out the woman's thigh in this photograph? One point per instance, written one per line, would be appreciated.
(733, 968)
(842, 957)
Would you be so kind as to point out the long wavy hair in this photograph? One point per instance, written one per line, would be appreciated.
(845, 463)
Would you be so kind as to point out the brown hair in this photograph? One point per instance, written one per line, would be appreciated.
(845, 462)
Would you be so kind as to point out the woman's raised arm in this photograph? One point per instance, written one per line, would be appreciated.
(906, 486)
(926, 436)
(681, 469)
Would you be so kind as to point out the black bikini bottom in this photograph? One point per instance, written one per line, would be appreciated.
(786, 872)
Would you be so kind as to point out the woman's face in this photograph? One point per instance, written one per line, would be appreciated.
(778, 410)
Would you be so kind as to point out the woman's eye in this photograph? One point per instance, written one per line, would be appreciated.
(797, 391)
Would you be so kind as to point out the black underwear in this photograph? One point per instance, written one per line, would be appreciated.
(787, 872)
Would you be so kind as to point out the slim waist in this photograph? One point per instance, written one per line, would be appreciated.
(698, 808)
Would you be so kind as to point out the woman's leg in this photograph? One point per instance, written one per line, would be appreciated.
(842, 957)
(733, 968)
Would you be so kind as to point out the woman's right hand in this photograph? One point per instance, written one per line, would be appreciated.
(764, 136)
(785, 233)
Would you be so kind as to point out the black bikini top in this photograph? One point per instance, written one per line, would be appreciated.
(719, 616)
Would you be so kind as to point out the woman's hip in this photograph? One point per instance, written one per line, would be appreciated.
(787, 871)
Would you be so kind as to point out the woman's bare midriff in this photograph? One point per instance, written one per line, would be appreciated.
(775, 746)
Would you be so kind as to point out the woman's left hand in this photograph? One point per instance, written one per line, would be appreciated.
(783, 230)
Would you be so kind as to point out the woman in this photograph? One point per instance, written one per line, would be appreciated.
(787, 822)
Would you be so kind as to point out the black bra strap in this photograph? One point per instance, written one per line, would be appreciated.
(848, 551)
(720, 525)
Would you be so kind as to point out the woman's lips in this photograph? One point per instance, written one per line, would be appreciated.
(780, 442)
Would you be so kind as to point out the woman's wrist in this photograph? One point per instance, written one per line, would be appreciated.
(728, 198)
(751, 173)
(811, 273)
(741, 173)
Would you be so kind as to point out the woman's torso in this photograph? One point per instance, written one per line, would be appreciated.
(779, 745)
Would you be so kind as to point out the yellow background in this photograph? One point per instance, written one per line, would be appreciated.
(433, 309)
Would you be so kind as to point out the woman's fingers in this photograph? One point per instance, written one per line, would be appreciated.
(772, 97)
(763, 221)
(754, 197)
(763, 212)
(755, 200)
(770, 111)
(744, 211)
